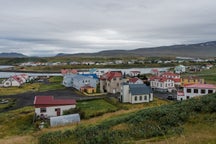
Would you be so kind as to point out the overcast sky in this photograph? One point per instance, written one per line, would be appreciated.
(48, 27)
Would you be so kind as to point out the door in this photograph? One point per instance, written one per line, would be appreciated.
(58, 111)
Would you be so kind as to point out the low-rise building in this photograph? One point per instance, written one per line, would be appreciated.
(193, 90)
(135, 80)
(47, 106)
(180, 69)
(136, 93)
(191, 80)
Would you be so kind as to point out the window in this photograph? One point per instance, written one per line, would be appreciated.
(145, 97)
(195, 90)
(42, 110)
(135, 98)
(140, 98)
(114, 79)
(188, 90)
(187, 97)
(210, 91)
(202, 91)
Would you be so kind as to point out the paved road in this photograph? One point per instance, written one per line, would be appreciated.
(27, 99)
(165, 95)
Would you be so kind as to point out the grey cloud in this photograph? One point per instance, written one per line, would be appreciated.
(53, 26)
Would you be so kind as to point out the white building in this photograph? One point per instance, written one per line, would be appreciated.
(180, 69)
(194, 90)
(47, 106)
(136, 93)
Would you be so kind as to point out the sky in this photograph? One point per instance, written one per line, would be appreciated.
(49, 27)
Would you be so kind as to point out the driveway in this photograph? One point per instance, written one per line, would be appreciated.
(27, 99)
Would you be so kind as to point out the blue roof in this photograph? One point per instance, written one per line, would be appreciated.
(139, 89)
(90, 75)
(92, 70)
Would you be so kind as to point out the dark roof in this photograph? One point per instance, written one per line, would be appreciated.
(139, 89)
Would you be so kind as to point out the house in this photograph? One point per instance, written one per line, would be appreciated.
(163, 84)
(191, 80)
(111, 82)
(135, 81)
(68, 71)
(48, 106)
(13, 81)
(155, 71)
(173, 76)
(180, 69)
(136, 93)
(78, 81)
(194, 90)
(134, 73)
(88, 89)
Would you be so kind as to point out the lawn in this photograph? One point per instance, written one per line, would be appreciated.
(53, 84)
(92, 108)
(17, 122)
(208, 75)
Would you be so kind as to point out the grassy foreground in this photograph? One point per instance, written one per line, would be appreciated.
(161, 122)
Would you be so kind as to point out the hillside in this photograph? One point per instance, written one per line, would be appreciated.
(207, 49)
(12, 55)
(177, 119)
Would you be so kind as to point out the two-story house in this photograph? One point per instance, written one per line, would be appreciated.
(191, 80)
(110, 82)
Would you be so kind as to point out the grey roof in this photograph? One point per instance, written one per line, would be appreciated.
(139, 89)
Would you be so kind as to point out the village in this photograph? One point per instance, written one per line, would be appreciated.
(131, 87)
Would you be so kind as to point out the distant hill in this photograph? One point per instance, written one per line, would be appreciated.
(207, 49)
(12, 55)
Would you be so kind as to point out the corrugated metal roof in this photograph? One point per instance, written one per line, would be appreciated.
(138, 89)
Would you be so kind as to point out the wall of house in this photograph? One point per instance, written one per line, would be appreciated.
(124, 94)
(112, 86)
(162, 85)
(185, 81)
(193, 94)
(140, 98)
(137, 82)
(78, 83)
(50, 111)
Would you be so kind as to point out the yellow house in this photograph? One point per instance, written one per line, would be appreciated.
(191, 80)
(88, 89)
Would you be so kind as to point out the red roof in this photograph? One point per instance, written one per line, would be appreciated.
(111, 74)
(180, 93)
(205, 86)
(18, 79)
(177, 80)
(46, 101)
(133, 80)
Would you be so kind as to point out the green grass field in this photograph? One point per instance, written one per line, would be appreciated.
(55, 83)
(92, 108)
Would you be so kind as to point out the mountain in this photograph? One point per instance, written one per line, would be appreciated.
(207, 49)
(12, 55)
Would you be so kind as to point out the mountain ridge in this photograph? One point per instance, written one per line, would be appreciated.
(206, 49)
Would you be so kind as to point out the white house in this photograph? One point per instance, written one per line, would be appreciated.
(193, 90)
(78, 81)
(180, 69)
(13, 81)
(134, 73)
(162, 84)
(47, 106)
(135, 81)
(136, 93)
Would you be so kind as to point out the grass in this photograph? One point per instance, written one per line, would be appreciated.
(18, 90)
(17, 122)
(209, 75)
(54, 84)
(96, 107)
(199, 129)
(10, 103)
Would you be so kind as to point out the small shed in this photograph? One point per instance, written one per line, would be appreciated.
(65, 119)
